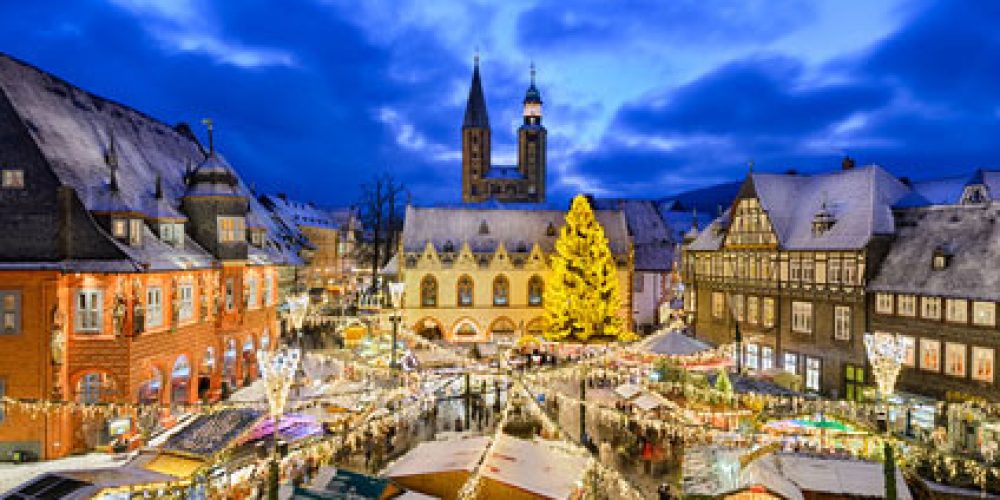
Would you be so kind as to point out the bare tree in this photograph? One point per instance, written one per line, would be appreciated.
(380, 210)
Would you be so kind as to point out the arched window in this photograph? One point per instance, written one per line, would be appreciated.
(428, 291)
(501, 291)
(464, 289)
(180, 379)
(96, 388)
(535, 288)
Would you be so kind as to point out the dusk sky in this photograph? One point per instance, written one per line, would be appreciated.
(642, 98)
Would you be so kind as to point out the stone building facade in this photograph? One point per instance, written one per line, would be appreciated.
(479, 274)
(789, 262)
(135, 267)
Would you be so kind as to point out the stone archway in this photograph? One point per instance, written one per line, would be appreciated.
(429, 328)
(503, 329)
(206, 372)
(180, 381)
(151, 387)
(466, 329)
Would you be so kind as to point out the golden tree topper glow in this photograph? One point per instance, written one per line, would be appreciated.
(582, 298)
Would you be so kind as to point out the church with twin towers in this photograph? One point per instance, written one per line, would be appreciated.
(481, 180)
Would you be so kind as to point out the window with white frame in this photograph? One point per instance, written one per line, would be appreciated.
(185, 292)
(883, 303)
(842, 322)
(813, 373)
(930, 307)
(795, 269)
(930, 355)
(718, 305)
(956, 310)
(753, 310)
(268, 290)
(10, 312)
(768, 316)
(802, 317)
(172, 234)
(808, 270)
(907, 305)
(752, 358)
(252, 292)
(833, 270)
(232, 229)
(955, 356)
(982, 364)
(984, 313)
(154, 306)
(88, 311)
(909, 350)
(849, 272)
(791, 362)
(766, 357)
(13, 178)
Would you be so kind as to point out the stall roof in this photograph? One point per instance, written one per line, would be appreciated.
(434, 457)
(545, 468)
(850, 478)
(672, 343)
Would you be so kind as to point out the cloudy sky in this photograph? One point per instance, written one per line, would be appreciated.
(642, 98)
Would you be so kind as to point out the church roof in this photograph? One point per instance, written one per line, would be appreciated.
(512, 227)
(475, 108)
(654, 244)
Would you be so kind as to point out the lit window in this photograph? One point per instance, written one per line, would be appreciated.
(957, 310)
(465, 289)
(88, 311)
(930, 307)
(955, 357)
(13, 179)
(791, 362)
(252, 292)
(501, 291)
(718, 305)
(230, 294)
(833, 270)
(982, 364)
(984, 313)
(10, 312)
(535, 289)
(802, 317)
(154, 306)
(119, 228)
(813, 367)
(848, 271)
(930, 355)
(268, 290)
(428, 291)
(232, 230)
(883, 303)
(842, 322)
(907, 305)
(135, 232)
(3, 394)
(737, 305)
(909, 350)
(752, 358)
(768, 312)
(690, 299)
(766, 357)
(753, 310)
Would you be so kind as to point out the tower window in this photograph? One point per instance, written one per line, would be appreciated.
(484, 228)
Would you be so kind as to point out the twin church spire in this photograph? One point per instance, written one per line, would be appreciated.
(481, 180)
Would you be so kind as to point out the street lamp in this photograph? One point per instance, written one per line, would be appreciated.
(886, 353)
(396, 289)
(278, 369)
(297, 307)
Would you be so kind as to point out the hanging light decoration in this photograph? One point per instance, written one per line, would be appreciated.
(885, 352)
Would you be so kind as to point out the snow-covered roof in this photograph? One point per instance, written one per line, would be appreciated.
(77, 132)
(512, 227)
(848, 478)
(949, 190)
(548, 469)
(433, 457)
(652, 239)
(972, 238)
(672, 343)
(300, 213)
(860, 201)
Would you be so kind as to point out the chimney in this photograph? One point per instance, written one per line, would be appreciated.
(847, 163)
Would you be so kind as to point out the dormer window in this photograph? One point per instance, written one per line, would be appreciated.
(13, 178)
(484, 228)
(975, 194)
(449, 246)
(172, 234)
(135, 232)
(941, 259)
(257, 237)
(119, 228)
(551, 230)
(823, 221)
(232, 230)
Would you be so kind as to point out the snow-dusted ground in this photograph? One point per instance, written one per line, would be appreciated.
(12, 475)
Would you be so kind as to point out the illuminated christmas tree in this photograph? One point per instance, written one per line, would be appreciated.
(582, 299)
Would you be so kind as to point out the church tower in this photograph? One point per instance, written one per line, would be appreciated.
(531, 144)
(475, 142)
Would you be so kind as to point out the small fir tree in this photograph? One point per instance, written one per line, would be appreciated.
(722, 382)
(582, 298)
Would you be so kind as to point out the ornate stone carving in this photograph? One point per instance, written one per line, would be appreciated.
(58, 340)
(118, 310)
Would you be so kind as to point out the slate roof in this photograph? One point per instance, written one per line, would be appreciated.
(860, 200)
(513, 227)
(652, 239)
(970, 233)
(74, 130)
(475, 108)
(300, 213)
(949, 190)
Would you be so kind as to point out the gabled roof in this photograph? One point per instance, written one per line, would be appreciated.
(971, 233)
(475, 108)
(860, 200)
(512, 227)
(653, 240)
(297, 213)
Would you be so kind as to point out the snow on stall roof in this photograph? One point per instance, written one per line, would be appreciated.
(433, 457)
(672, 343)
(971, 234)
(546, 468)
(512, 227)
(852, 478)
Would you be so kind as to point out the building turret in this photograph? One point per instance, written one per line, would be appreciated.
(531, 143)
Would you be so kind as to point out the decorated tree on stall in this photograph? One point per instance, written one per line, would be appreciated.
(581, 297)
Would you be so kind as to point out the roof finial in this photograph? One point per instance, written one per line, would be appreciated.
(209, 124)
(111, 156)
(158, 191)
(475, 59)
(750, 166)
(532, 73)
(694, 218)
